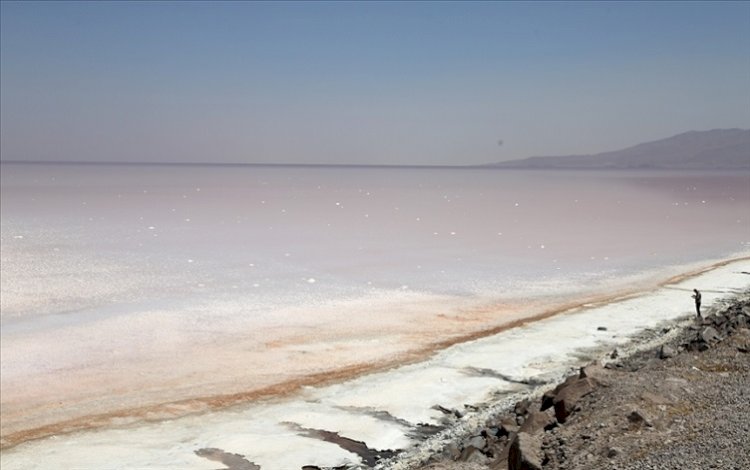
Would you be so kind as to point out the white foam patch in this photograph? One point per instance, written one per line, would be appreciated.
(263, 434)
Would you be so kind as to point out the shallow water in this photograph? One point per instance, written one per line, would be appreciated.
(124, 287)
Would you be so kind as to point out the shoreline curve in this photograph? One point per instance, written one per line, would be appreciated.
(192, 406)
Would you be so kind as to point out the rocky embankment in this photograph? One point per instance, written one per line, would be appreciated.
(684, 404)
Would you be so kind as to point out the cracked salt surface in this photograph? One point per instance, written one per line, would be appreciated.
(382, 409)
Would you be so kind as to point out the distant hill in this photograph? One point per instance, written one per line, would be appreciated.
(719, 149)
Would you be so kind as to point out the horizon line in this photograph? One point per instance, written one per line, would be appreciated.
(513, 165)
(238, 164)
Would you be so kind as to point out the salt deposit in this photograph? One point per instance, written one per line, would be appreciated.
(382, 409)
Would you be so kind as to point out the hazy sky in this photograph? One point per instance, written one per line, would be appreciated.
(414, 83)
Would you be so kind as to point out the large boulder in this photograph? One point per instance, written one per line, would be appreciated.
(595, 372)
(548, 399)
(704, 339)
(566, 399)
(710, 335)
(538, 421)
(525, 452)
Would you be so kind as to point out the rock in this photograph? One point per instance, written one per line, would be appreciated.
(507, 426)
(601, 328)
(566, 399)
(491, 431)
(548, 398)
(452, 451)
(500, 451)
(710, 335)
(637, 416)
(702, 346)
(595, 372)
(473, 451)
(742, 340)
(665, 352)
(698, 343)
(538, 421)
(477, 441)
(613, 452)
(525, 453)
(740, 322)
(522, 407)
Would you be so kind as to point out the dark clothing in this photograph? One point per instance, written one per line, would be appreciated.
(697, 297)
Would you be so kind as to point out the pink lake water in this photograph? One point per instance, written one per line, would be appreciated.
(131, 290)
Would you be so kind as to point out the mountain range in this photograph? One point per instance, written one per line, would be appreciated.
(718, 149)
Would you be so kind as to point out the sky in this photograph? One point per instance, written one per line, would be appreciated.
(364, 82)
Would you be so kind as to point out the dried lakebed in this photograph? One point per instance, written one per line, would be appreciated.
(411, 410)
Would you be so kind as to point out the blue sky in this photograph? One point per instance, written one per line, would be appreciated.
(391, 82)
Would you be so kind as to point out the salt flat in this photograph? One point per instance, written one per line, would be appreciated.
(382, 409)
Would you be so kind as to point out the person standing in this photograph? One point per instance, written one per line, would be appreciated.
(697, 297)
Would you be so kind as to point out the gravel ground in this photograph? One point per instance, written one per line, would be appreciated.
(698, 405)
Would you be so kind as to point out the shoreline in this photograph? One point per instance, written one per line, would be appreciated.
(627, 409)
(196, 406)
